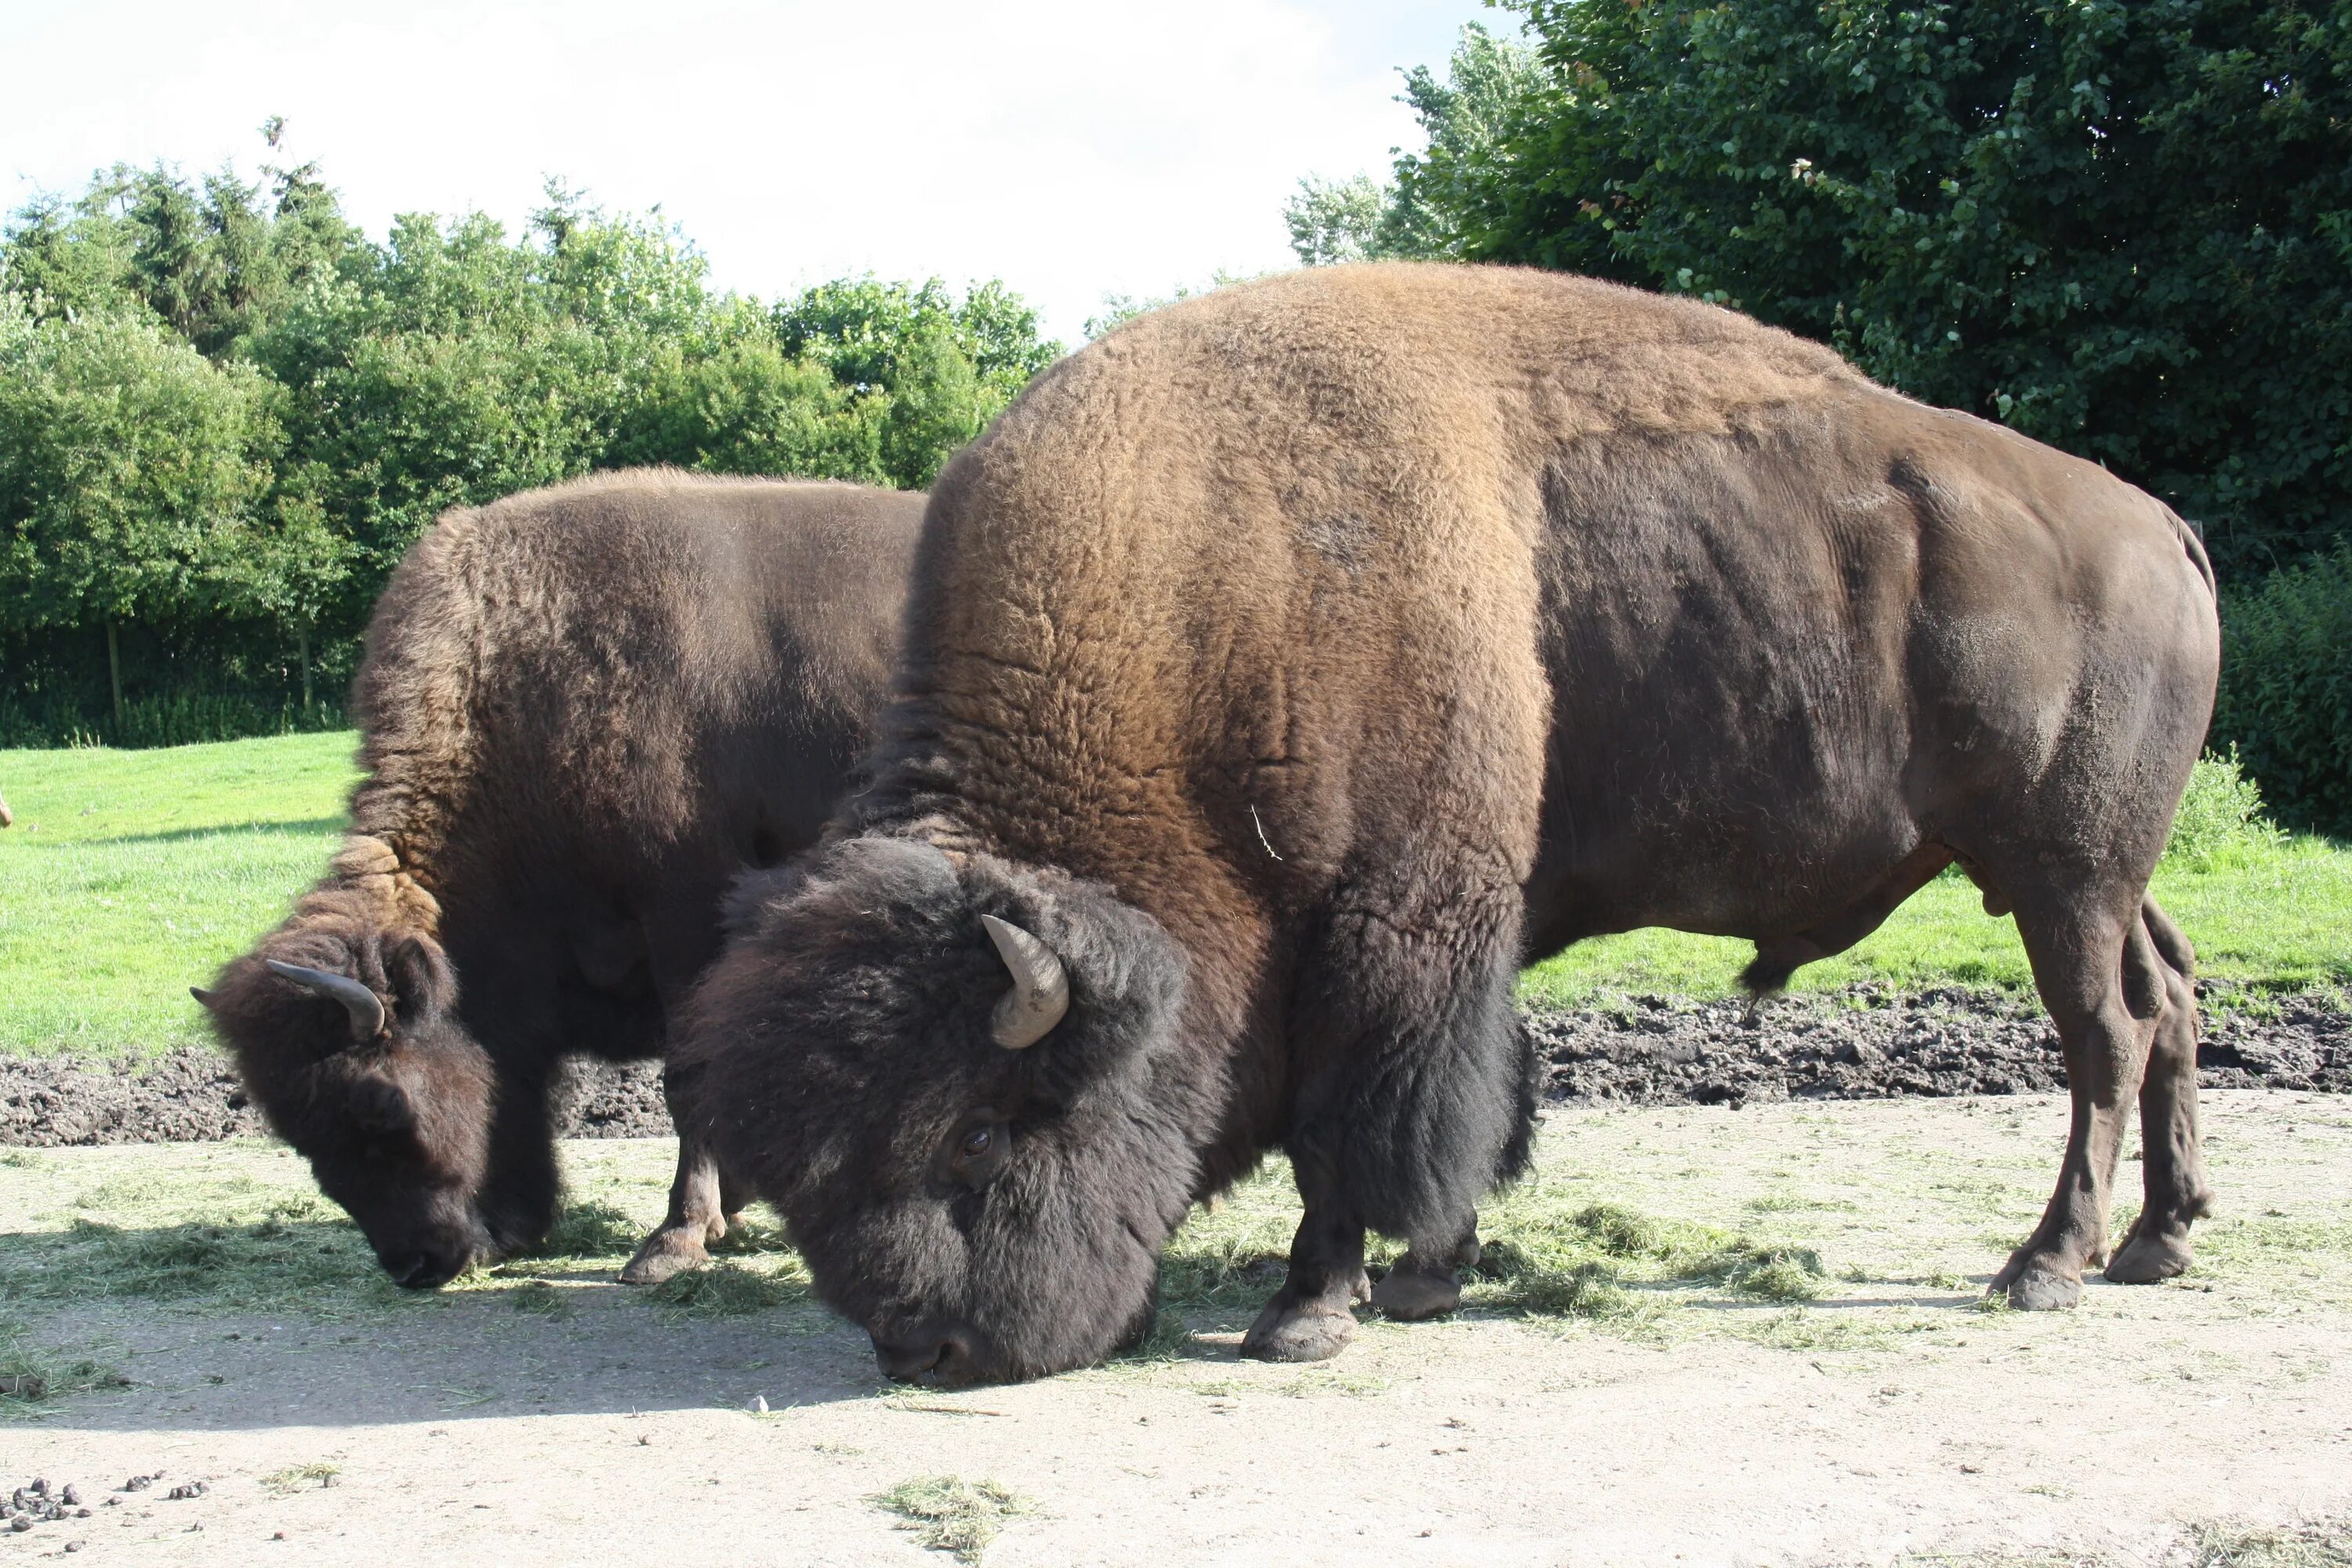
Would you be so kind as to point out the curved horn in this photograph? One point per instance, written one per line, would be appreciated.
(364, 1006)
(1041, 991)
(207, 999)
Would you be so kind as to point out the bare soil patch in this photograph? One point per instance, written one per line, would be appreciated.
(192, 1095)
(1861, 1044)
(1871, 1044)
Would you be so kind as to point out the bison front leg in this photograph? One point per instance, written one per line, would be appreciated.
(697, 1218)
(1425, 1283)
(1425, 1096)
(1312, 1316)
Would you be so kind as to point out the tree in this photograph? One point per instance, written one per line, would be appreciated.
(943, 367)
(225, 414)
(2123, 228)
(1463, 119)
(217, 262)
(744, 406)
(127, 460)
(1333, 221)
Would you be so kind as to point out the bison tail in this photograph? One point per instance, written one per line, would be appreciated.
(2170, 943)
(2192, 541)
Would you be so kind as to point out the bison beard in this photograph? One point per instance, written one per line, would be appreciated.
(584, 710)
(1296, 661)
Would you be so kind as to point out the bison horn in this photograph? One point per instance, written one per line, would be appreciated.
(1041, 990)
(364, 1006)
(205, 999)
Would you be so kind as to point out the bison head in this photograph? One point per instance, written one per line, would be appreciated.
(344, 1036)
(946, 1074)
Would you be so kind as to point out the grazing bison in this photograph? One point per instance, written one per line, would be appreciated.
(1289, 667)
(584, 710)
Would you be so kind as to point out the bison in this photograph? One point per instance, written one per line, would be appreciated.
(584, 710)
(1287, 668)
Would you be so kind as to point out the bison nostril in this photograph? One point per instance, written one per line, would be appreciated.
(423, 1270)
(940, 1351)
(903, 1359)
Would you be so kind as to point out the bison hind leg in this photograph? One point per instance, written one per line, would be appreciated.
(2172, 1162)
(1777, 958)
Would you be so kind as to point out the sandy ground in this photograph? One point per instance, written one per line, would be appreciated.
(1890, 1418)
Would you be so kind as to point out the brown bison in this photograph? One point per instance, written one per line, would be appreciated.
(1287, 668)
(584, 709)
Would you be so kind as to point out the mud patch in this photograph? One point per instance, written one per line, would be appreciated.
(1867, 1044)
(1862, 1044)
(192, 1096)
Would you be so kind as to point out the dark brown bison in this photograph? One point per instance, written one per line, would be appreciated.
(1289, 667)
(584, 709)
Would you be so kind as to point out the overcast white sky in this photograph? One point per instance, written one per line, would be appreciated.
(1072, 149)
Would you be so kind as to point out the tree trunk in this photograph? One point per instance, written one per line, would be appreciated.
(302, 658)
(115, 670)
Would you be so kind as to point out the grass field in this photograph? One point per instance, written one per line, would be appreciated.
(2272, 916)
(132, 875)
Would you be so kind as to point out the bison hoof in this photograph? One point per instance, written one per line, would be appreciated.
(1288, 1330)
(665, 1253)
(2146, 1258)
(2038, 1287)
(1409, 1297)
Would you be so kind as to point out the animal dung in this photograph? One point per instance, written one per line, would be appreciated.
(40, 1503)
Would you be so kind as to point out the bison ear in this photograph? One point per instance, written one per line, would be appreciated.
(421, 978)
(380, 1105)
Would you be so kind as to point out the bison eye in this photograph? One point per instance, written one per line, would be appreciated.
(978, 1152)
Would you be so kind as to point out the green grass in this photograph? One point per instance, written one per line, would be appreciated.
(2273, 916)
(951, 1514)
(130, 876)
(32, 1380)
(1554, 1253)
(302, 1478)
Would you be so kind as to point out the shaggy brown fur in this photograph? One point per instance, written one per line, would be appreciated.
(1343, 640)
(585, 709)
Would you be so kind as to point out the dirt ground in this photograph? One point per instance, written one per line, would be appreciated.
(550, 1416)
(1863, 1043)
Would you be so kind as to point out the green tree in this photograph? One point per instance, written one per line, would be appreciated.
(2123, 228)
(744, 406)
(943, 367)
(1333, 221)
(226, 414)
(127, 462)
(1463, 119)
(216, 261)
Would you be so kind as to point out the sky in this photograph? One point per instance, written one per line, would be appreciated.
(1075, 149)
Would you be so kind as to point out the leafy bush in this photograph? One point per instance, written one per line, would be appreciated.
(172, 721)
(2221, 809)
(2286, 700)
